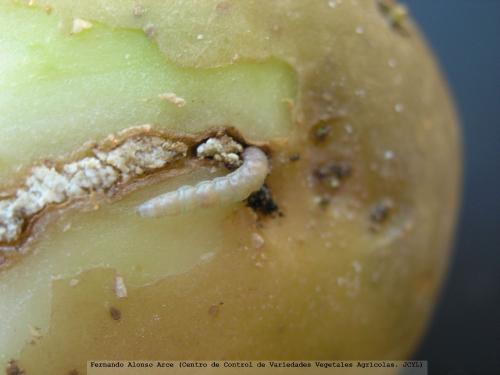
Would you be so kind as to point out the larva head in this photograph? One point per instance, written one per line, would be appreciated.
(350, 231)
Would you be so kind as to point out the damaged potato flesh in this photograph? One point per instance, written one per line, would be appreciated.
(338, 257)
(108, 169)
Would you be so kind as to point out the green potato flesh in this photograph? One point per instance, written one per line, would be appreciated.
(60, 91)
(319, 282)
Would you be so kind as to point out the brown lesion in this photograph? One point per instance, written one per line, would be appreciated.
(325, 131)
(321, 131)
(330, 174)
(332, 158)
(115, 313)
(328, 178)
(380, 213)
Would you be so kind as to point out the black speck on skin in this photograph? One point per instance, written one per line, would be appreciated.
(13, 369)
(214, 309)
(115, 313)
(381, 210)
(339, 170)
(323, 201)
(294, 157)
(321, 131)
(261, 201)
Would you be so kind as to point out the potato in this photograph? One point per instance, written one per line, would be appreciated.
(338, 256)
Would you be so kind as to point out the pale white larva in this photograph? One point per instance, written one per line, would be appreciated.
(234, 187)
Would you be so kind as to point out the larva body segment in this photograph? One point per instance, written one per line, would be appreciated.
(234, 187)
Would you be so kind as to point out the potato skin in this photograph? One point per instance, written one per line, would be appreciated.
(353, 277)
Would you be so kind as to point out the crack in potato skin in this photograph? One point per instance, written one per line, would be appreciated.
(114, 166)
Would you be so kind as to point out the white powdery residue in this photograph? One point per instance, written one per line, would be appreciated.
(173, 98)
(138, 10)
(360, 30)
(207, 256)
(224, 149)
(88, 174)
(257, 240)
(80, 25)
(333, 3)
(136, 156)
(10, 223)
(27, 203)
(43, 187)
(46, 185)
(120, 288)
(388, 154)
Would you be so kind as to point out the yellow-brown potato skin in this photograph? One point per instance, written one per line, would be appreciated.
(328, 282)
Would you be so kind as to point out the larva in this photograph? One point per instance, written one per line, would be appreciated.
(234, 187)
